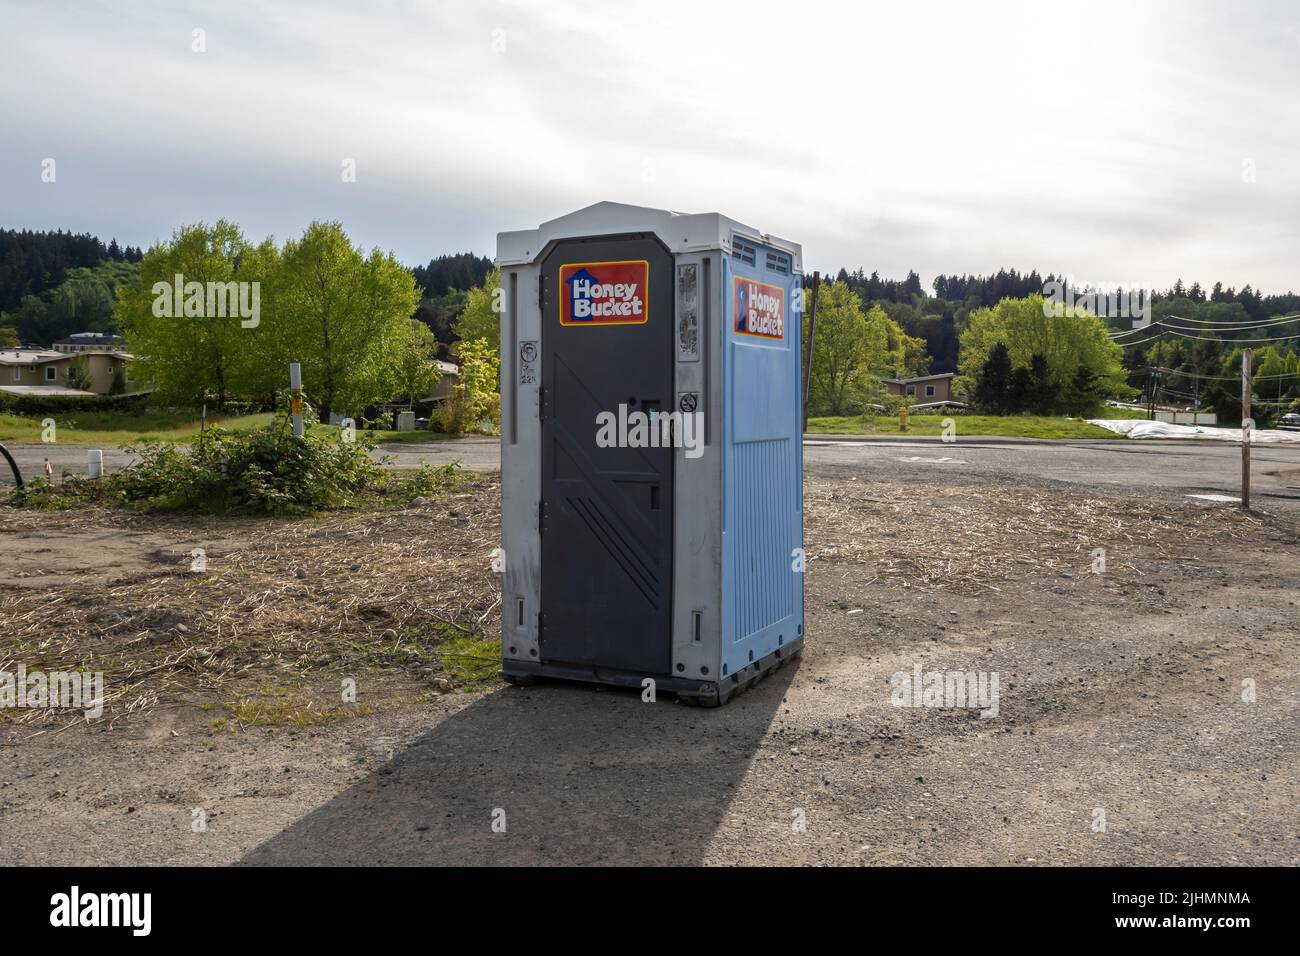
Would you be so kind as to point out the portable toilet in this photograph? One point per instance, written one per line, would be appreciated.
(651, 457)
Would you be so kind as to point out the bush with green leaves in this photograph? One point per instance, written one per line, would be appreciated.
(266, 471)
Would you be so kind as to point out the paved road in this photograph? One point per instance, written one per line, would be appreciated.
(1165, 468)
(62, 458)
(476, 454)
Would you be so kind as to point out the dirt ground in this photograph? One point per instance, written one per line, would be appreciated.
(1146, 714)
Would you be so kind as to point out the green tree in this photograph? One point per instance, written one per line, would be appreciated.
(850, 348)
(82, 302)
(1066, 339)
(480, 378)
(481, 317)
(198, 354)
(476, 395)
(78, 374)
(992, 381)
(417, 371)
(9, 337)
(345, 316)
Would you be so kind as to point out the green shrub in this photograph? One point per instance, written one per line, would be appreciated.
(267, 471)
(36, 406)
(430, 480)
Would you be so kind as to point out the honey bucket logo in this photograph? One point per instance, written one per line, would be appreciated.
(759, 309)
(604, 293)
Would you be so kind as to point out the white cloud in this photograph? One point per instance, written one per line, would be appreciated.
(1103, 139)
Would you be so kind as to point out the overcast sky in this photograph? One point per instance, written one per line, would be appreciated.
(1132, 143)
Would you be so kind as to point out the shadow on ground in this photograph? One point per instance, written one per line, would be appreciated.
(583, 776)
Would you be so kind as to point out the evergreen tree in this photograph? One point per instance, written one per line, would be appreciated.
(993, 381)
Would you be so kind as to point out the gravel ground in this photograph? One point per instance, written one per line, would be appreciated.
(1121, 737)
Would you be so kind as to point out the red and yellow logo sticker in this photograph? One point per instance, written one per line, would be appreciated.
(605, 293)
(759, 308)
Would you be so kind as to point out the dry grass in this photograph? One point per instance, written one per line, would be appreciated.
(405, 600)
(342, 595)
(971, 538)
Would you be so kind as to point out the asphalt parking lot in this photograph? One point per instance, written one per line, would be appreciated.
(1165, 468)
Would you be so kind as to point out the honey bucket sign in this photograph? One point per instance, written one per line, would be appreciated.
(604, 293)
(759, 308)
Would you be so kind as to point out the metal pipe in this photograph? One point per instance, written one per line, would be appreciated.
(18, 475)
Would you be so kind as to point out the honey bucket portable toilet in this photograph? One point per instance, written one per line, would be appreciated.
(651, 458)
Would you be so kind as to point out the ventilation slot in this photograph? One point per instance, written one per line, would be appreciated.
(765, 534)
(777, 262)
(743, 251)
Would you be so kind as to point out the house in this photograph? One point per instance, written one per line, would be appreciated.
(27, 371)
(448, 377)
(924, 388)
(90, 342)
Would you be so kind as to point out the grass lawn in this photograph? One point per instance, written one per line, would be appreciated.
(116, 428)
(123, 428)
(1002, 426)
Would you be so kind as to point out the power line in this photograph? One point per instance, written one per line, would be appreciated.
(1165, 325)
(1204, 338)
(1270, 320)
(1161, 323)
(1221, 378)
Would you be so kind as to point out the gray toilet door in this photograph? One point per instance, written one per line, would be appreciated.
(607, 512)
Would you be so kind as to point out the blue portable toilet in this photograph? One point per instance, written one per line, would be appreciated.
(651, 457)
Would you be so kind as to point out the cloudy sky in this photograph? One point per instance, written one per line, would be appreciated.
(1133, 142)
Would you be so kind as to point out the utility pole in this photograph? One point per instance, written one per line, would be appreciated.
(1196, 392)
(1246, 427)
(808, 348)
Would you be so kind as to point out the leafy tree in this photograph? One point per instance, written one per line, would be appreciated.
(9, 337)
(417, 371)
(32, 263)
(480, 318)
(847, 349)
(345, 315)
(475, 397)
(194, 356)
(1065, 339)
(914, 359)
(78, 374)
(84, 302)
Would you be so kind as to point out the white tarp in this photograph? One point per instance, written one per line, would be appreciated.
(1141, 428)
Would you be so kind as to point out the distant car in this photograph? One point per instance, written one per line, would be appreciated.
(1291, 418)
